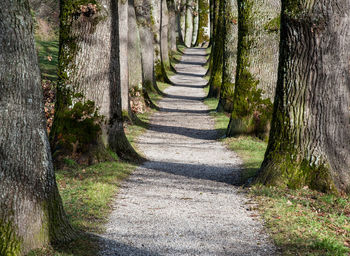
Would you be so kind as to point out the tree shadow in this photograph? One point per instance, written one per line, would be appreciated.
(88, 244)
(190, 111)
(189, 74)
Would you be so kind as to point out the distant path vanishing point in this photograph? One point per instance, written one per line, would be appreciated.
(183, 201)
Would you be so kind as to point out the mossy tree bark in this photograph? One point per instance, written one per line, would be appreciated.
(195, 23)
(189, 23)
(164, 32)
(144, 21)
(89, 115)
(217, 55)
(257, 58)
(310, 135)
(211, 21)
(230, 34)
(203, 24)
(31, 212)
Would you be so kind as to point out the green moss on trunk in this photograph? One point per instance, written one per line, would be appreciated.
(9, 243)
(251, 112)
(203, 9)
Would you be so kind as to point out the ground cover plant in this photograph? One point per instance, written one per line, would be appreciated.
(301, 222)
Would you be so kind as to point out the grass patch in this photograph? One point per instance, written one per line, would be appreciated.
(305, 222)
(301, 222)
(221, 119)
(48, 58)
(87, 192)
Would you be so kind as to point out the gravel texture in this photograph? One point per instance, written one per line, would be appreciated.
(183, 201)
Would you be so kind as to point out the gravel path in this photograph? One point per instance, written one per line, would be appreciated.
(183, 201)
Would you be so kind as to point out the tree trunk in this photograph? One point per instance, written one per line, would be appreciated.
(172, 26)
(89, 105)
(144, 20)
(310, 135)
(189, 23)
(31, 212)
(183, 8)
(256, 76)
(164, 50)
(217, 56)
(212, 11)
(195, 23)
(134, 49)
(230, 35)
(123, 11)
(203, 25)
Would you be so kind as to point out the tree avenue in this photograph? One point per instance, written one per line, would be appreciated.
(31, 212)
(112, 53)
(310, 132)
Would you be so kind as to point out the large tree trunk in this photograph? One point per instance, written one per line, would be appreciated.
(31, 212)
(195, 23)
(172, 26)
(183, 7)
(164, 50)
(217, 55)
(256, 76)
(134, 49)
(123, 11)
(89, 104)
(310, 135)
(189, 23)
(203, 24)
(230, 35)
(144, 20)
(211, 21)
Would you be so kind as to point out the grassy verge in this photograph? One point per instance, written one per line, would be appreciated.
(87, 192)
(301, 222)
(48, 58)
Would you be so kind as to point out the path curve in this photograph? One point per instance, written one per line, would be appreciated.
(182, 201)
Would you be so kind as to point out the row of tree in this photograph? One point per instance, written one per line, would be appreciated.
(110, 54)
(282, 71)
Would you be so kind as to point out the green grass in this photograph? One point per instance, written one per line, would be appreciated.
(48, 58)
(301, 222)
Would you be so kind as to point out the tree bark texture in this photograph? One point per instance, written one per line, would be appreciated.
(230, 34)
(123, 13)
(183, 7)
(156, 16)
(217, 55)
(195, 23)
(189, 23)
(144, 20)
(172, 28)
(89, 103)
(164, 50)
(256, 76)
(203, 23)
(31, 212)
(310, 135)
(134, 49)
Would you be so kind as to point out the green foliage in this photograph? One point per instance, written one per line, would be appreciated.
(78, 125)
(273, 26)
(9, 243)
